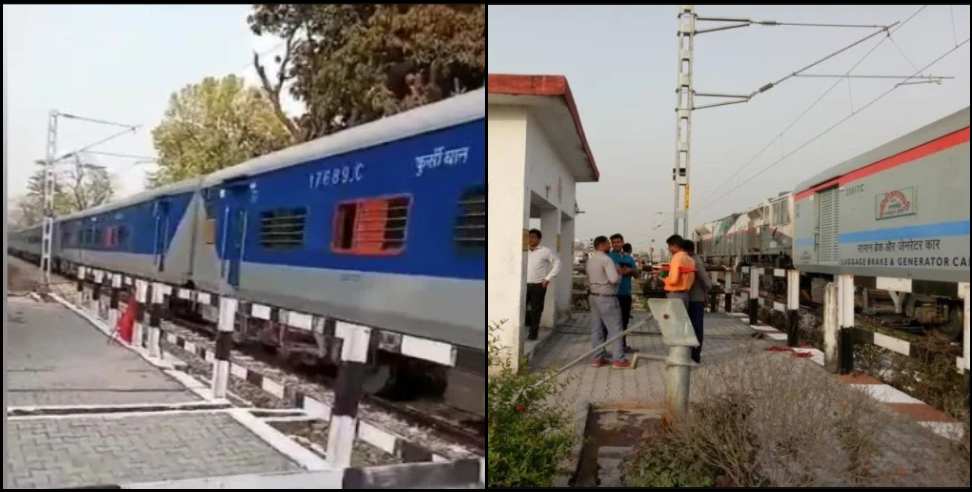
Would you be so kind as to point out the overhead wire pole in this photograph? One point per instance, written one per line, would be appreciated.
(47, 238)
(685, 93)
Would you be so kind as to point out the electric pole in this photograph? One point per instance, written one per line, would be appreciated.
(48, 227)
(685, 91)
(683, 124)
(47, 239)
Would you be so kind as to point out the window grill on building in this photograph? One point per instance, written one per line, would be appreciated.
(371, 226)
(470, 228)
(281, 228)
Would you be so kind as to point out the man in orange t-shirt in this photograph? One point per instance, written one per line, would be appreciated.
(681, 273)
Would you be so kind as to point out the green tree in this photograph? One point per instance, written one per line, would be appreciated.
(77, 186)
(214, 124)
(351, 64)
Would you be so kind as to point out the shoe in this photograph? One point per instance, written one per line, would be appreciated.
(621, 364)
(600, 362)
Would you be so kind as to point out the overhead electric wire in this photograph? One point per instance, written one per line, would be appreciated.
(810, 108)
(835, 125)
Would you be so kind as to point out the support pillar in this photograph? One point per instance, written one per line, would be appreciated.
(831, 326)
(348, 391)
(224, 341)
(845, 303)
(754, 295)
(550, 228)
(793, 308)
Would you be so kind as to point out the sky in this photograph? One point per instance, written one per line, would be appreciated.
(118, 63)
(620, 62)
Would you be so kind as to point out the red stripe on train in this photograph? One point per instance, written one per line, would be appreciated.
(928, 148)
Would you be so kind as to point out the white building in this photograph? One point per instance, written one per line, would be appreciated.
(537, 152)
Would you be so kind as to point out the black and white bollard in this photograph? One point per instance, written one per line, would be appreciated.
(845, 308)
(79, 294)
(729, 291)
(116, 281)
(224, 341)
(754, 274)
(95, 306)
(141, 296)
(964, 291)
(793, 308)
(355, 342)
(155, 321)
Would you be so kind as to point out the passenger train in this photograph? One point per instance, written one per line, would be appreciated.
(382, 225)
(900, 210)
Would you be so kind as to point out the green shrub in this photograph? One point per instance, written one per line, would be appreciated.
(528, 434)
(665, 462)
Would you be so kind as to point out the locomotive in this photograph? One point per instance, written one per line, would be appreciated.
(382, 225)
(899, 211)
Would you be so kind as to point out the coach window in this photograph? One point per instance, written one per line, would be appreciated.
(282, 228)
(470, 231)
(374, 226)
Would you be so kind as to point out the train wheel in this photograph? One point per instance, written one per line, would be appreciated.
(954, 328)
(379, 379)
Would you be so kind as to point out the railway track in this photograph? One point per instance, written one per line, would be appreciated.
(454, 424)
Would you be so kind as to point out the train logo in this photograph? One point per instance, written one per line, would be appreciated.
(896, 203)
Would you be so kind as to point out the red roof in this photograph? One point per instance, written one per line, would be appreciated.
(543, 85)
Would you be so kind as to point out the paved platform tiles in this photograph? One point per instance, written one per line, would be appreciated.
(57, 358)
(58, 361)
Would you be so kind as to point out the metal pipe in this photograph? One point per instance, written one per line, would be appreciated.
(677, 380)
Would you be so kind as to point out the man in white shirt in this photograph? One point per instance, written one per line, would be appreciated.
(543, 266)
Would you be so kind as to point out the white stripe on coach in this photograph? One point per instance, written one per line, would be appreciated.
(779, 272)
(352, 352)
(260, 311)
(893, 284)
(430, 350)
(203, 297)
(299, 320)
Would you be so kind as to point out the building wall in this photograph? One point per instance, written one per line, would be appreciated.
(549, 179)
(546, 172)
(508, 211)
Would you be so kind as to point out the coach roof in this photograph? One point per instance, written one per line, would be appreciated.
(443, 114)
(951, 123)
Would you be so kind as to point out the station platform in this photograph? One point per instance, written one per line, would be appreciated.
(85, 411)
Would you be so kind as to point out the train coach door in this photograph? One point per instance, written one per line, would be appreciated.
(234, 236)
(827, 226)
(161, 213)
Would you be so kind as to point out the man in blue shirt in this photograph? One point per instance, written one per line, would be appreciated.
(628, 269)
